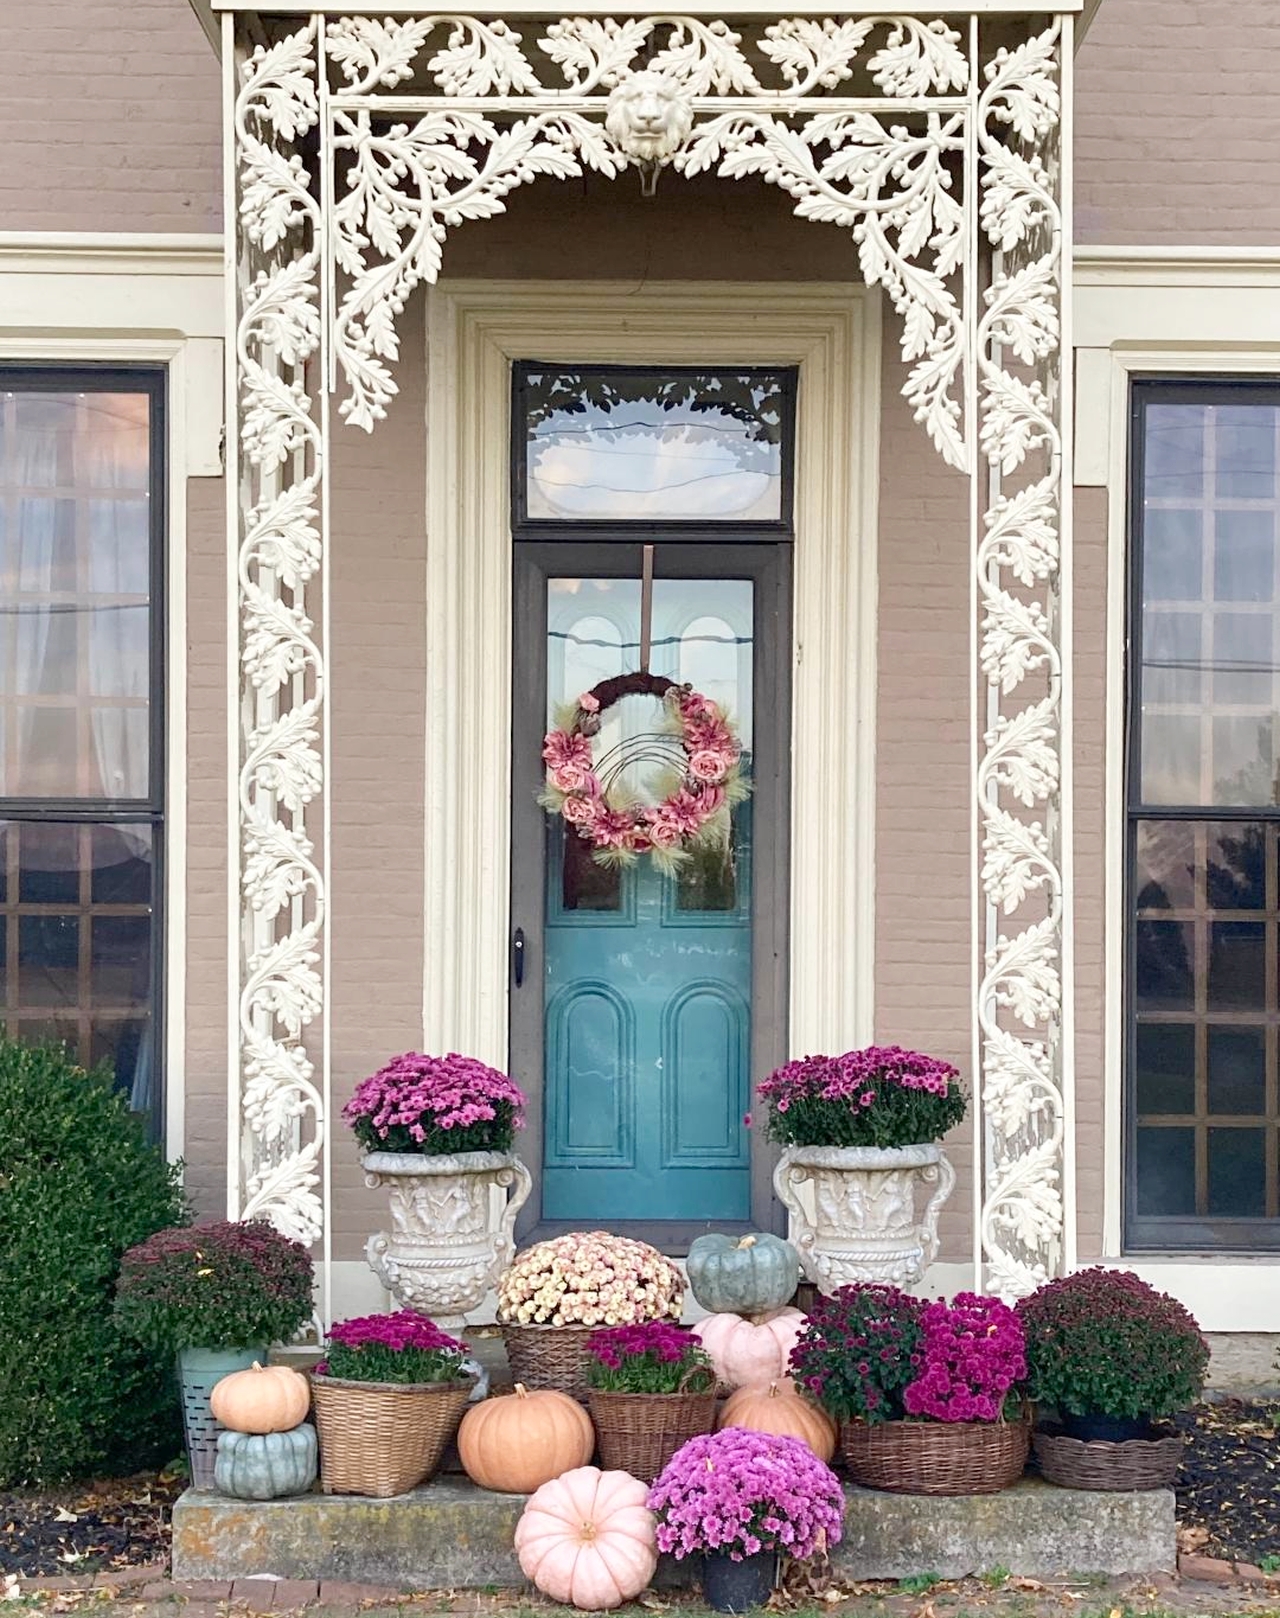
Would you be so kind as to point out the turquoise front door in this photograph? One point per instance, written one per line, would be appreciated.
(648, 977)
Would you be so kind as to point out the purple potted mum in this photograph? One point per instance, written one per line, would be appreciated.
(389, 1395)
(929, 1395)
(741, 1499)
(438, 1132)
(863, 1130)
(650, 1388)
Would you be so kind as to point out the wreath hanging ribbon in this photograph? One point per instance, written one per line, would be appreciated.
(701, 776)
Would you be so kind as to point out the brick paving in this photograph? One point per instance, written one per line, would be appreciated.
(1204, 1588)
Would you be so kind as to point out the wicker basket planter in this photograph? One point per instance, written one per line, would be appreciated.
(549, 1357)
(1127, 1467)
(640, 1432)
(384, 1438)
(936, 1457)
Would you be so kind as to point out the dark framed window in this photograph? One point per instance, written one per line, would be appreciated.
(625, 452)
(82, 502)
(1203, 802)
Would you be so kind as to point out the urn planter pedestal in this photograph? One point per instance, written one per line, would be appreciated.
(450, 1237)
(853, 1210)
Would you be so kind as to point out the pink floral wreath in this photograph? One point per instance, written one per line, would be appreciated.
(705, 776)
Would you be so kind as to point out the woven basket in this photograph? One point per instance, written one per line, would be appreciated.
(549, 1357)
(384, 1438)
(640, 1432)
(1135, 1464)
(936, 1457)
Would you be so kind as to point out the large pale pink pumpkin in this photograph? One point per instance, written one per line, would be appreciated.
(748, 1354)
(587, 1539)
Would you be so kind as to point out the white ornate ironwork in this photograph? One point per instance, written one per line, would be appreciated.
(936, 145)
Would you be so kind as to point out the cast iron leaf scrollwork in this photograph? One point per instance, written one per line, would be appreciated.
(1019, 781)
(282, 666)
(430, 122)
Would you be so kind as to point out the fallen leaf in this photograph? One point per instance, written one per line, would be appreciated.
(63, 1515)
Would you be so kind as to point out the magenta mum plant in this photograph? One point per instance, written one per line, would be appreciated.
(402, 1347)
(653, 1357)
(435, 1105)
(972, 1357)
(737, 1493)
(881, 1096)
(872, 1354)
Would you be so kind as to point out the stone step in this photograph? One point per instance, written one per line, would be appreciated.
(451, 1535)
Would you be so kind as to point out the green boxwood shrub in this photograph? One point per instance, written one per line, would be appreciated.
(79, 1183)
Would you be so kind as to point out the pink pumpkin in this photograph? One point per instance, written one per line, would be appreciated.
(750, 1355)
(587, 1538)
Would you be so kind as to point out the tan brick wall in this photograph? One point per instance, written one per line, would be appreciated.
(110, 117)
(1090, 629)
(206, 845)
(1177, 119)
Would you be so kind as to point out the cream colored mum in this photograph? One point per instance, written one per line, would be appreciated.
(590, 1279)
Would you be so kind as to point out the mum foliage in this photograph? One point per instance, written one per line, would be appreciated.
(434, 1105)
(881, 1096)
(224, 1285)
(402, 1347)
(738, 1493)
(653, 1357)
(1102, 1342)
(590, 1279)
(79, 1183)
(873, 1353)
(859, 1350)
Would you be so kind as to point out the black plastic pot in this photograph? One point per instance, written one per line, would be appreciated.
(1093, 1429)
(730, 1586)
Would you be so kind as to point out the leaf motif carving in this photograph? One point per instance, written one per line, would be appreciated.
(918, 57)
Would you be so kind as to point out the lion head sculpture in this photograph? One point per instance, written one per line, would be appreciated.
(648, 116)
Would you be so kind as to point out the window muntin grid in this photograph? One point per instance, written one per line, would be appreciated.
(1203, 1114)
(81, 716)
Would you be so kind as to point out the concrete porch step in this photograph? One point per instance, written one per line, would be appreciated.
(451, 1535)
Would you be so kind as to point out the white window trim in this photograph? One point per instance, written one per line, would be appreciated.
(155, 301)
(475, 330)
(1149, 313)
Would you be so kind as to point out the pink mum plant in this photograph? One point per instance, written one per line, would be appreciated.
(434, 1105)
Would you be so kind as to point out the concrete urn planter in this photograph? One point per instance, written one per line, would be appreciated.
(853, 1210)
(451, 1236)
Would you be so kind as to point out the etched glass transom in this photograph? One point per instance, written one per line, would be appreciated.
(610, 444)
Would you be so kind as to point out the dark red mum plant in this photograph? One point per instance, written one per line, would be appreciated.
(225, 1285)
(1103, 1343)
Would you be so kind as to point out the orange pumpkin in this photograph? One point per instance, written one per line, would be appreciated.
(750, 1354)
(588, 1539)
(519, 1441)
(780, 1409)
(263, 1399)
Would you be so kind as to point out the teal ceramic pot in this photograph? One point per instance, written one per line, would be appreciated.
(266, 1466)
(199, 1372)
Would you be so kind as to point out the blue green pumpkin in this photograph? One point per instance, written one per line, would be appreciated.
(747, 1275)
(265, 1466)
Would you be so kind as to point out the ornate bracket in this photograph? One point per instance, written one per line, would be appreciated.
(938, 146)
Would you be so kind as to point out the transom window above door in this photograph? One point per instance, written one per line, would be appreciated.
(649, 446)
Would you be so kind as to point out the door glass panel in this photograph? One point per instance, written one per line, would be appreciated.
(648, 975)
(610, 444)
